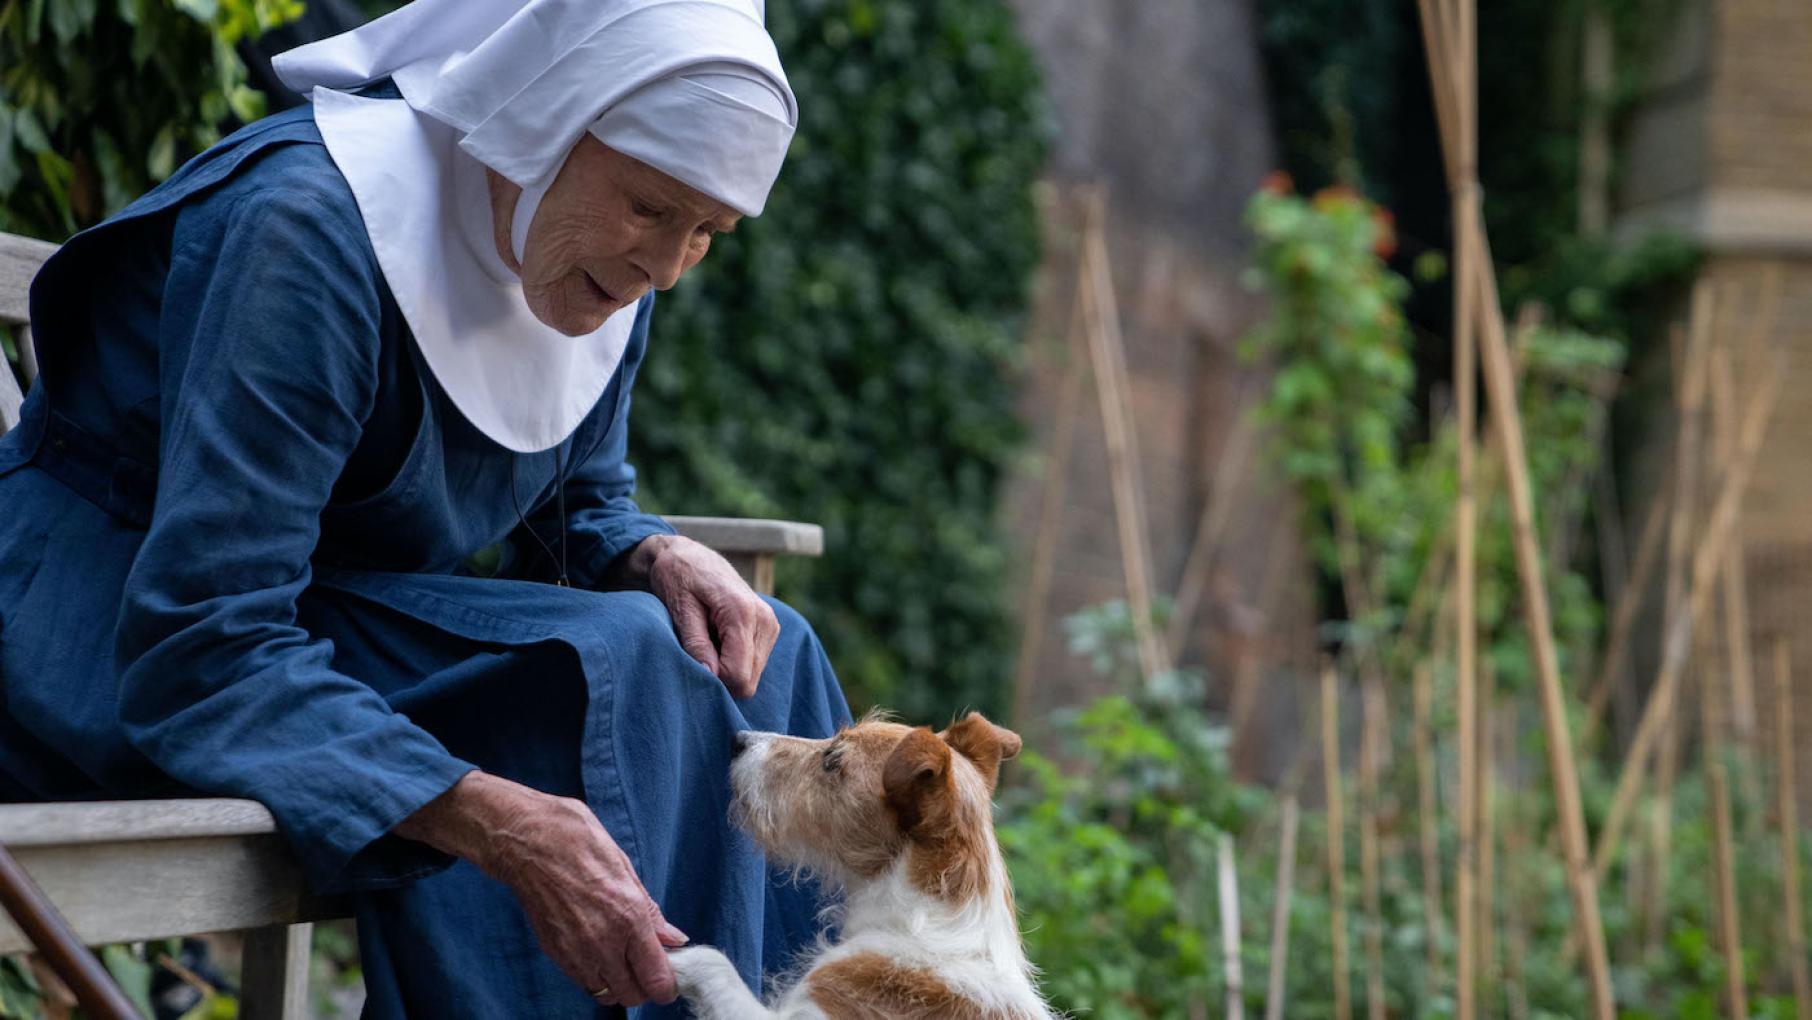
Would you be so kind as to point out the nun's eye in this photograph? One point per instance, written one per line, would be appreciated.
(644, 210)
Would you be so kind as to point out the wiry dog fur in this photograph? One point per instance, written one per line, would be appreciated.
(901, 820)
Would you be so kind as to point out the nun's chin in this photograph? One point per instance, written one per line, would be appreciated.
(574, 316)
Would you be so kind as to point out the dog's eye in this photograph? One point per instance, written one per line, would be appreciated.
(832, 760)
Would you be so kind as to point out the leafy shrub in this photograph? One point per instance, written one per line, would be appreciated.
(99, 101)
(846, 358)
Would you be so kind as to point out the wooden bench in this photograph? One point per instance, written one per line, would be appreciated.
(126, 871)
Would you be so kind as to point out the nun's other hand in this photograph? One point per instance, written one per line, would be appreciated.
(720, 620)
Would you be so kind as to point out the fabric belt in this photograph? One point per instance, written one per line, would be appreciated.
(120, 485)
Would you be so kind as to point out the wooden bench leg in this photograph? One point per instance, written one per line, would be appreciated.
(273, 982)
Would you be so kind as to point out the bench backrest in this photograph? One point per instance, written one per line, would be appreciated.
(20, 258)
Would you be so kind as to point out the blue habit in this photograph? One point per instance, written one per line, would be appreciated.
(234, 535)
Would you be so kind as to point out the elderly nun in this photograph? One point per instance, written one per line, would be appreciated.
(286, 397)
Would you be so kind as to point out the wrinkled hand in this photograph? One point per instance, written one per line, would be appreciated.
(720, 620)
(588, 909)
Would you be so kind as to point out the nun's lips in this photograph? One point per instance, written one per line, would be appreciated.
(603, 295)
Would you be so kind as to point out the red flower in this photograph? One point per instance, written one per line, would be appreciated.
(1278, 182)
(1384, 226)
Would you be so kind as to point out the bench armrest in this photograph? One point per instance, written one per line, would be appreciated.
(752, 544)
(124, 871)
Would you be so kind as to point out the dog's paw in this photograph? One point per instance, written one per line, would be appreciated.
(699, 969)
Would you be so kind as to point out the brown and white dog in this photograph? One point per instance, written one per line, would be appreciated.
(902, 821)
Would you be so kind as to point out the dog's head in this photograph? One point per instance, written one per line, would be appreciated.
(848, 807)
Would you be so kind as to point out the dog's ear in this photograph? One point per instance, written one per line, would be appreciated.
(983, 743)
(916, 780)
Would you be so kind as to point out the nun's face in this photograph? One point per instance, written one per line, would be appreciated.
(609, 228)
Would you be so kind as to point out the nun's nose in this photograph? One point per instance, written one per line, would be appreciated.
(741, 742)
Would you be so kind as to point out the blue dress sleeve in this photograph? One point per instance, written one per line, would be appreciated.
(268, 366)
(602, 518)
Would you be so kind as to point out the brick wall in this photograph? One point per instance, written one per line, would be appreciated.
(1723, 149)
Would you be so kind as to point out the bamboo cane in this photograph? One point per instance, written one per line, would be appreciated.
(1516, 918)
(1465, 611)
(1429, 819)
(1108, 354)
(1486, 913)
(1371, 718)
(1246, 673)
(1044, 545)
(1707, 559)
(1208, 531)
(1689, 403)
(1730, 934)
(1280, 911)
(1336, 842)
(1789, 826)
(1734, 578)
(1229, 897)
(1623, 618)
(1441, 23)
(1459, 78)
(1562, 770)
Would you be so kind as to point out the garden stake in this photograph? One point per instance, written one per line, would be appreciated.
(1229, 897)
(1515, 852)
(1730, 935)
(1789, 826)
(1246, 673)
(1371, 719)
(1736, 612)
(1044, 546)
(1108, 354)
(1706, 561)
(1623, 618)
(1689, 403)
(1449, 41)
(1485, 914)
(1280, 910)
(1452, 59)
(1428, 821)
(1336, 843)
(1500, 384)
(1208, 531)
(1736, 596)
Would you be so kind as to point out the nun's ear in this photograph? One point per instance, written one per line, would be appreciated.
(504, 193)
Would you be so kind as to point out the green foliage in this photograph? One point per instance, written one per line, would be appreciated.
(845, 358)
(1112, 855)
(1341, 431)
(1113, 861)
(99, 101)
(1341, 395)
(20, 994)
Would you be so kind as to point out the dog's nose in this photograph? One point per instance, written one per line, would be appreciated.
(740, 742)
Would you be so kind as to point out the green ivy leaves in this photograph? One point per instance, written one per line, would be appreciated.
(101, 100)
